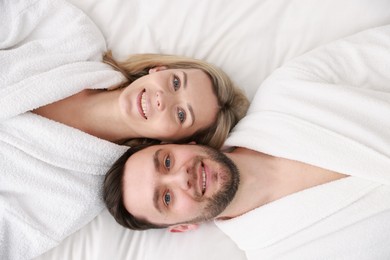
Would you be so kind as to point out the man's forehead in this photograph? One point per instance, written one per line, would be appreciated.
(148, 151)
(163, 147)
(152, 152)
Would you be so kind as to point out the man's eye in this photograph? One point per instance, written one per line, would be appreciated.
(181, 115)
(167, 162)
(167, 198)
(176, 83)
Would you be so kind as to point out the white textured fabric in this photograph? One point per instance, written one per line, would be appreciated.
(51, 174)
(103, 239)
(50, 183)
(345, 219)
(329, 108)
(48, 50)
(249, 40)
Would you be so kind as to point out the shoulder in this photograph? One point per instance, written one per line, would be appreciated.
(49, 24)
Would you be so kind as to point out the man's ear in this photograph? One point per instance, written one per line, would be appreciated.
(182, 228)
(158, 68)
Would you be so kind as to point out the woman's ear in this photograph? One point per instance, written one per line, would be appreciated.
(182, 228)
(158, 68)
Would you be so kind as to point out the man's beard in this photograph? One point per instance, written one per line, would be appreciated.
(219, 201)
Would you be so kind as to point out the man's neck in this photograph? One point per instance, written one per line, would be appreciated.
(265, 178)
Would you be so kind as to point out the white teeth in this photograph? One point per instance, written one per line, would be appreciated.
(204, 180)
(143, 103)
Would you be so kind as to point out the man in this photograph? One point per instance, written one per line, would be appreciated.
(310, 175)
(182, 185)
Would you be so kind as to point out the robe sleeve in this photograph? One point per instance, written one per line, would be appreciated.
(329, 108)
(49, 50)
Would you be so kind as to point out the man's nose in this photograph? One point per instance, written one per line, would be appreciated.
(180, 178)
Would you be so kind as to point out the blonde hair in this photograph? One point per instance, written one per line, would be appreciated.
(232, 102)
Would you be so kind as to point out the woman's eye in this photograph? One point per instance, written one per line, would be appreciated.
(176, 82)
(167, 162)
(181, 115)
(167, 198)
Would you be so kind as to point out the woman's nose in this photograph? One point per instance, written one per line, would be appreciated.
(160, 101)
(165, 100)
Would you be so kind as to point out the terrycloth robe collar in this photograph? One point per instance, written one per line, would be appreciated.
(50, 50)
(51, 174)
(278, 220)
(329, 108)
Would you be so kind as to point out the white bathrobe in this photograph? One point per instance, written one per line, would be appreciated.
(51, 174)
(329, 108)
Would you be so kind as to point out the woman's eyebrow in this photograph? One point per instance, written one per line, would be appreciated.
(185, 77)
(192, 114)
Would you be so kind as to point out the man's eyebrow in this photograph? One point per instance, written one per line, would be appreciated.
(157, 195)
(185, 77)
(156, 162)
(156, 198)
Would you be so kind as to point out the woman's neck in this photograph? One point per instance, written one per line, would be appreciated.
(92, 111)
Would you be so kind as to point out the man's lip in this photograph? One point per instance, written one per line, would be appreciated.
(139, 106)
(208, 179)
(200, 178)
(202, 167)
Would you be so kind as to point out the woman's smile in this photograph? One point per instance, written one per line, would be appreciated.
(141, 104)
(169, 104)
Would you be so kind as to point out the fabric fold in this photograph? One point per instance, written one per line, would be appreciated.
(51, 174)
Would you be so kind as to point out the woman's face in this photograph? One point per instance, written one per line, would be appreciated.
(169, 104)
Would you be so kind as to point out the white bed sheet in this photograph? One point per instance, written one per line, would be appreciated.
(103, 238)
(248, 39)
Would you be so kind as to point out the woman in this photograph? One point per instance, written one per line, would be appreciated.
(164, 97)
(52, 163)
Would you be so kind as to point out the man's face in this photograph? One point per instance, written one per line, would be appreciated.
(172, 184)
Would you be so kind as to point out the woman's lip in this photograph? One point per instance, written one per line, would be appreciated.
(139, 105)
